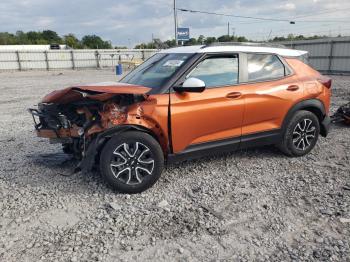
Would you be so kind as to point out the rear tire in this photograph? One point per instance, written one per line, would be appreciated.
(132, 162)
(301, 134)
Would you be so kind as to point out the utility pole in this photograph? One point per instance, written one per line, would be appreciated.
(175, 20)
(228, 28)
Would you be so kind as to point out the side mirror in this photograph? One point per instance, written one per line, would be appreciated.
(191, 84)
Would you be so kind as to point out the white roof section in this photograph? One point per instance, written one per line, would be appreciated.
(235, 48)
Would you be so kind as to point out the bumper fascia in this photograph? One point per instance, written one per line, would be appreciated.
(325, 126)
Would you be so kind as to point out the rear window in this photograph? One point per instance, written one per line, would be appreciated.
(262, 67)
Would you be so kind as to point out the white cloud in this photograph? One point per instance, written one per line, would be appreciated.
(287, 6)
(136, 20)
(44, 21)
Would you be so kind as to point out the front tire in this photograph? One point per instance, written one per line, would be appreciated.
(301, 134)
(132, 162)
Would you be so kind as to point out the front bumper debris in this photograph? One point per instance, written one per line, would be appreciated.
(342, 114)
(48, 126)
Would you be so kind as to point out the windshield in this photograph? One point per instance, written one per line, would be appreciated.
(157, 70)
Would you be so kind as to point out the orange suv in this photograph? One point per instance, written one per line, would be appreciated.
(187, 102)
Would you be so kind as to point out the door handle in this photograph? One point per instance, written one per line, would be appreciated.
(292, 88)
(234, 95)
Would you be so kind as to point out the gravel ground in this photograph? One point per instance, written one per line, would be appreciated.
(249, 205)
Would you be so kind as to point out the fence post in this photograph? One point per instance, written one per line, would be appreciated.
(19, 61)
(330, 57)
(97, 60)
(47, 61)
(72, 58)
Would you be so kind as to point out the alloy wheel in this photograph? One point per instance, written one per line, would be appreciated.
(304, 133)
(132, 162)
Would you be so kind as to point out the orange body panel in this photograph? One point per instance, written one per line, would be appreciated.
(206, 116)
(262, 106)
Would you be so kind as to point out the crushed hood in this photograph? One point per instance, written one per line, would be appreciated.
(98, 91)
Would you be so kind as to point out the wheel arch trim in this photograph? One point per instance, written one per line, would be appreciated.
(313, 105)
(99, 141)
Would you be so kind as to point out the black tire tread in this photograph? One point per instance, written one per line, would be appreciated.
(285, 145)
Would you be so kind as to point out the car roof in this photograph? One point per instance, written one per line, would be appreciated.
(235, 48)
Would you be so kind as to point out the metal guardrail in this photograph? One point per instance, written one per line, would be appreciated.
(72, 59)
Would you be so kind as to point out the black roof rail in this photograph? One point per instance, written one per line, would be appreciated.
(261, 44)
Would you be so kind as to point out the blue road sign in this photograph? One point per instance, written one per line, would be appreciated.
(183, 34)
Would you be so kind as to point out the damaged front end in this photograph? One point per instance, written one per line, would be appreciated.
(81, 118)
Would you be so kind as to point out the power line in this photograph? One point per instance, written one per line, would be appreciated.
(291, 21)
(237, 16)
(324, 11)
(287, 30)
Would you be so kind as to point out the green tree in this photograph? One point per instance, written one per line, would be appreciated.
(95, 42)
(225, 38)
(21, 38)
(7, 39)
(192, 41)
(72, 41)
(210, 40)
(242, 39)
(201, 39)
(34, 37)
(51, 37)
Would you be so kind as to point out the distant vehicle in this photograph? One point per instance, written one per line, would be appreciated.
(55, 46)
(188, 102)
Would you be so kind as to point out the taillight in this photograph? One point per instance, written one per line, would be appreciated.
(326, 81)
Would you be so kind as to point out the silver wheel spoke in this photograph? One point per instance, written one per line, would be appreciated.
(307, 139)
(129, 176)
(303, 143)
(312, 129)
(114, 164)
(118, 154)
(144, 169)
(307, 124)
(298, 127)
(137, 176)
(298, 136)
(298, 145)
(121, 172)
(127, 150)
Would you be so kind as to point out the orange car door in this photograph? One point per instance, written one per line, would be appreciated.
(212, 115)
(270, 91)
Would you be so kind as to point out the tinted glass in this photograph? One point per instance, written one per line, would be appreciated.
(157, 70)
(217, 71)
(264, 67)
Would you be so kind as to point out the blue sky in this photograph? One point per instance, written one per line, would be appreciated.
(130, 21)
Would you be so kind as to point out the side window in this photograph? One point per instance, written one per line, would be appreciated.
(264, 67)
(217, 71)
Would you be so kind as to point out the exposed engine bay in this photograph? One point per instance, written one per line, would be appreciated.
(71, 124)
